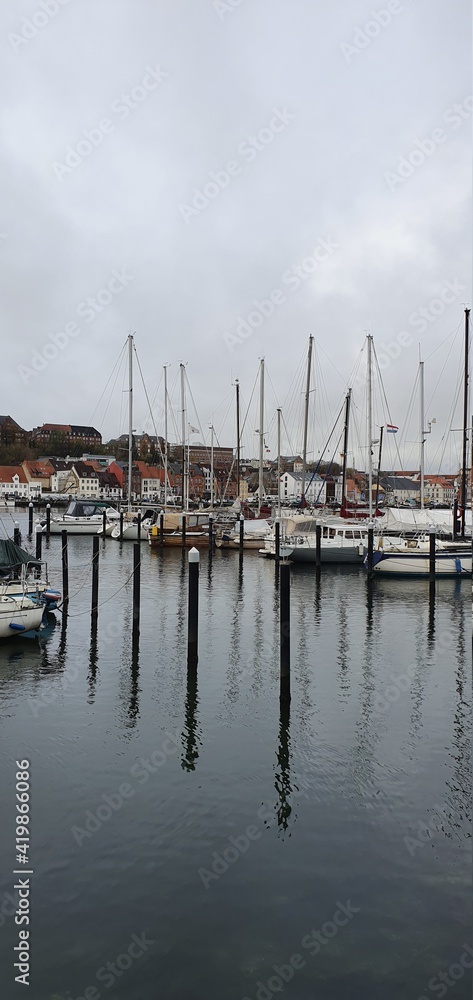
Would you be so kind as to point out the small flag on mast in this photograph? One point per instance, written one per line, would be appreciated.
(391, 429)
(193, 430)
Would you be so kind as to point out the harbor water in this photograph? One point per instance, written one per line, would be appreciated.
(190, 840)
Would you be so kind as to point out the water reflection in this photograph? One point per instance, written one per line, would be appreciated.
(282, 772)
(190, 739)
(134, 702)
(93, 662)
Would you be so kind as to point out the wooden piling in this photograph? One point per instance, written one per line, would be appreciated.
(432, 555)
(242, 533)
(193, 608)
(183, 531)
(30, 519)
(65, 569)
(318, 550)
(161, 528)
(17, 534)
(284, 632)
(39, 541)
(95, 578)
(48, 520)
(136, 590)
(138, 524)
(369, 560)
(121, 525)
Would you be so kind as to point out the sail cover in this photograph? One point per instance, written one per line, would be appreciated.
(12, 557)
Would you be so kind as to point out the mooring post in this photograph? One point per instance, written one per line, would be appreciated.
(65, 569)
(136, 589)
(95, 578)
(284, 632)
(369, 561)
(318, 550)
(193, 608)
(121, 525)
(48, 519)
(138, 526)
(183, 531)
(39, 540)
(104, 522)
(432, 554)
(30, 519)
(242, 533)
(277, 540)
(16, 534)
(210, 533)
(161, 528)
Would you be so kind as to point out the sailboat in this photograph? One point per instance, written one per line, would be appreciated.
(411, 556)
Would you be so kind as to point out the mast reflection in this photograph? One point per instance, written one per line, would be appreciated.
(190, 739)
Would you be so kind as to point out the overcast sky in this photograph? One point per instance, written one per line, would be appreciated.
(336, 144)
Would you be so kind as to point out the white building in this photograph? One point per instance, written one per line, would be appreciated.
(314, 489)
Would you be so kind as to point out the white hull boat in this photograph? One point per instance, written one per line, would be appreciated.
(454, 561)
(18, 615)
(82, 517)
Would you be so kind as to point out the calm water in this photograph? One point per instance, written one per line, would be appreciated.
(356, 799)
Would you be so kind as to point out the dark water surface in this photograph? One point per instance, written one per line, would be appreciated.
(356, 800)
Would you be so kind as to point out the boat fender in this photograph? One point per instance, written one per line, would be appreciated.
(458, 564)
(16, 627)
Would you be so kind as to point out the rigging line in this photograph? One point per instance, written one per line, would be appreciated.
(452, 334)
(150, 410)
(383, 393)
(248, 407)
(319, 346)
(117, 363)
(460, 368)
(196, 414)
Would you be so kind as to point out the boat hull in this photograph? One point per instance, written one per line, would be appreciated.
(89, 527)
(418, 564)
(18, 616)
(197, 539)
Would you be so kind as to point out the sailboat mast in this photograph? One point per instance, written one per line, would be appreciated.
(306, 416)
(370, 426)
(421, 431)
(211, 465)
(261, 434)
(378, 473)
(237, 386)
(130, 416)
(279, 462)
(183, 436)
(465, 422)
(165, 434)
(345, 448)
